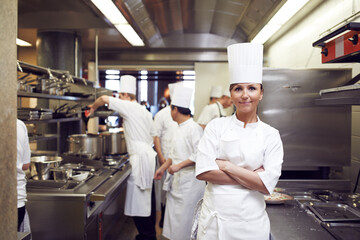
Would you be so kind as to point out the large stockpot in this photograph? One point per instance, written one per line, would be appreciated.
(40, 166)
(113, 143)
(86, 144)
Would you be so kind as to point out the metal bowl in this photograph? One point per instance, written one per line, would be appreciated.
(40, 166)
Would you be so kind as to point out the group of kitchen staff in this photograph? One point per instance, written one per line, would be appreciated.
(229, 165)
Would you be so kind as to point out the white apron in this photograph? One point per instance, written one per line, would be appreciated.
(185, 192)
(139, 184)
(221, 218)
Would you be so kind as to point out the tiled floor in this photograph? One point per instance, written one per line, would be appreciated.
(128, 230)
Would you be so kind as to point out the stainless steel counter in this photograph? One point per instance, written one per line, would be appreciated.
(84, 210)
(290, 221)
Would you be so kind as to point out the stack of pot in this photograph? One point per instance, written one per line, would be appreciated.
(95, 146)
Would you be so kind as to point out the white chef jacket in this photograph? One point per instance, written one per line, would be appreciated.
(233, 211)
(23, 157)
(211, 112)
(185, 189)
(164, 129)
(138, 125)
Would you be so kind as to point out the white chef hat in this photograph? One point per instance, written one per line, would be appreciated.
(128, 84)
(245, 62)
(172, 87)
(216, 91)
(182, 96)
(226, 93)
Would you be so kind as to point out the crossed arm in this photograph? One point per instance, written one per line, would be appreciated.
(231, 174)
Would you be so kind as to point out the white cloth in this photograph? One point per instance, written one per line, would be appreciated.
(186, 190)
(245, 62)
(164, 129)
(23, 157)
(233, 211)
(138, 125)
(210, 112)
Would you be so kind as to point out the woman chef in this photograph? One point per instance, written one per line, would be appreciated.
(138, 124)
(185, 190)
(240, 157)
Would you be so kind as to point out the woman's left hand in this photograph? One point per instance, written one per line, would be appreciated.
(174, 168)
(223, 164)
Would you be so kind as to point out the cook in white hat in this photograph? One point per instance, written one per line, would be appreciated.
(240, 156)
(138, 128)
(165, 128)
(215, 109)
(215, 93)
(185, 190)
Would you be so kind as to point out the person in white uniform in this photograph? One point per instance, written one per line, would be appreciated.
(215, 93)
(22, 164)
(185, 190)
(214, 110)
(239, 156)
(138, 126)
(164, 131)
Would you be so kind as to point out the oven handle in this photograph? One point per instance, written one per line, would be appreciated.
(110, 185)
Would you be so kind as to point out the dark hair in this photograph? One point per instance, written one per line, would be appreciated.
(185, 111)
(233, 85)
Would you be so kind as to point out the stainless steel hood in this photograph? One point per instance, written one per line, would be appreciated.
(178, 26)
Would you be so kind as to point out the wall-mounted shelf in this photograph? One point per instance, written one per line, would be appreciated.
(54, 120)
(49, 96)
(44, 137)
(346, 95)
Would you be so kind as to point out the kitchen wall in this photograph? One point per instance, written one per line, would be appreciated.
(294, 50)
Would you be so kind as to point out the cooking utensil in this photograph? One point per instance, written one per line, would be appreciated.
(80, 176)
(86, 144)
(40, 166)
(113, 143)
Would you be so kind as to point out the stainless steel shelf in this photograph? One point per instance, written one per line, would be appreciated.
(44, 137)
(346, 95)
(49, 96)
(56, 120)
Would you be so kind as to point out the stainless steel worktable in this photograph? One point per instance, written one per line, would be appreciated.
(289, 221)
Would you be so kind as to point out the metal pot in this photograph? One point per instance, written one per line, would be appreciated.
(86, 144)
(113, 143)
(40, 166)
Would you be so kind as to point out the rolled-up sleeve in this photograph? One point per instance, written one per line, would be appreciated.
(207, 150)
(273, 159)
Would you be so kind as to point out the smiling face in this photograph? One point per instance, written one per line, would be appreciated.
(246, 97)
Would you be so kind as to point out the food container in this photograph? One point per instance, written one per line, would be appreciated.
(89, 145)
(80, 176)
(61, 173)
(113, 143)
(40, 166)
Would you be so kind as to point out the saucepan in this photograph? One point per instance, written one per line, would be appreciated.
(40, 166)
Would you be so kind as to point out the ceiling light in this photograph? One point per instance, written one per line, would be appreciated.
(22, 43)
(144, 72)
(111, 71)
(113, 77)
(280, 18)
(189, 77)
(112, 13)
(129, 33)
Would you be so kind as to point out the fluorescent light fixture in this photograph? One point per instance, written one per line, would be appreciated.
(188, 72)
(144, 72)
(143, 77)
(111, 71)
(286, 12)
(129, 33)
(112, 13)
(22, 43)
(112, 76)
